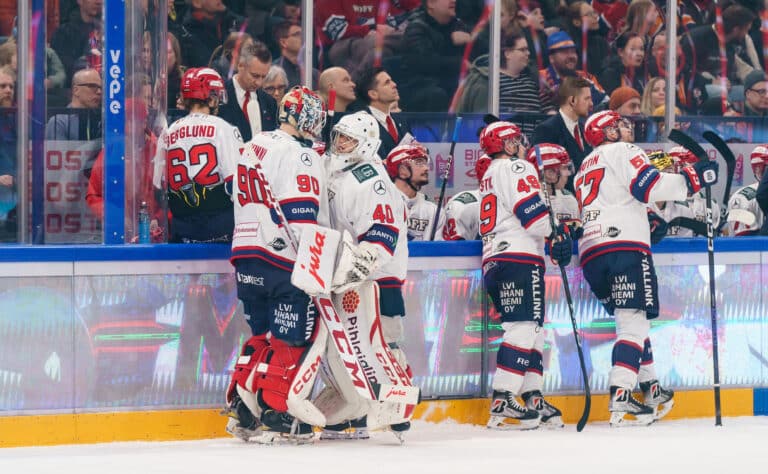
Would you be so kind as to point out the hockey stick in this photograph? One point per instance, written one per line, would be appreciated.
(587, 394)
(367, 388)
(698, 227)
(446, 173)
(730, 163)
(689, 143)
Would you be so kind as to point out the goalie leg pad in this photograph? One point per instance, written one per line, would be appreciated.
(250, 354)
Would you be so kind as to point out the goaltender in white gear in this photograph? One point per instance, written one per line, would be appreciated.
(370, 211)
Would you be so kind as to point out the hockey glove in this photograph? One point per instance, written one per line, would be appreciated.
(561, 246)
(701, 173)
(658, 227)
(576, 229)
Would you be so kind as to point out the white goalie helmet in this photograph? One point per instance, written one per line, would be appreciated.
(355, 138)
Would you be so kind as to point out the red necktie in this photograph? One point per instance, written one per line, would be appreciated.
(577, 136)
(245, 106)
(391, 128)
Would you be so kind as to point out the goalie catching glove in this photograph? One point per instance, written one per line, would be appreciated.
(356, 264)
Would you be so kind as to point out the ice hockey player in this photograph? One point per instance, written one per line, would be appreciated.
(194, 158)
(744, 214)
(408, 166)
(614, 186)
(365, 203)
(513, 228)
(693, 208)
(281, 317)
(462, 211)
(558, 167)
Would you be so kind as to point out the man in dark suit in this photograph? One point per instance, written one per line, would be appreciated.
(566, 127)
(377, 90)
(248, 107)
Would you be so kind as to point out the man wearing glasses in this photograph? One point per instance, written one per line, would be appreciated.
(86, 95)
(755, 94)
(288, 37)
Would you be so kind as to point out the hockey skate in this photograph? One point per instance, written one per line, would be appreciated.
(508, 414)
(241, 422)
(399, 429)
(551, 417)
(353, 429)
(626, 410)
(658, 398)
(282, 428)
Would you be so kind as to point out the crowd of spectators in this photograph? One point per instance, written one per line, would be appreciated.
(417, 56)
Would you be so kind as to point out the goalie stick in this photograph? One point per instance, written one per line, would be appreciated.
(446, 174)
(587, 394)
(395, 392)
(689, 143)
(730, 164)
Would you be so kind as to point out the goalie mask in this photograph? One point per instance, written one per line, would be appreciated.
(354, 139)
(304, 110)
(759, 160)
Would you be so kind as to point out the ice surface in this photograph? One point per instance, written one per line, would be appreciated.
(679, 446)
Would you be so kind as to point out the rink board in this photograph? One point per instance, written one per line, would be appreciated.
(40, 430)
(101, 342)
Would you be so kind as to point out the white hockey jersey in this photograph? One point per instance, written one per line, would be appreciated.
(296, 177)
(365, 202)
(421, 213)
(614, 186)
(513, 216)
(462, 216)
(565, 207)
(694, 207)
(194, 157)
(744, 200)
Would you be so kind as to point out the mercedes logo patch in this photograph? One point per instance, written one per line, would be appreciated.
(379, 187)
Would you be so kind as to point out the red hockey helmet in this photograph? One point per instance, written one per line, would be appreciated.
(552, 156)
(304, 110)
(202, 83)
(682, 157)
(493, 137)
(594, 130)
(403, 155)
(759, 160)
(481, 166)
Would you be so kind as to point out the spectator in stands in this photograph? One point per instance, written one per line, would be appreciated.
(562, 63)
(205, 26)
(339, 80)
(276, 83)
(699, 12)
(508, 22)
(73, 38)
(756, 94)
(625, 101)
(8, 124)
(531, 23)
(565, 128)
(701, 47)
(579, 16)
(691, 88)
(643, 18)
(86, 98)
(378, 91)
(433, 50)
(654, 95)
(224, 58)
(248, 107)
(7, 87)
(175, 72)
(288, 37)
(627, 68)
(349, 31)
(613, 16)
(518, 87)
